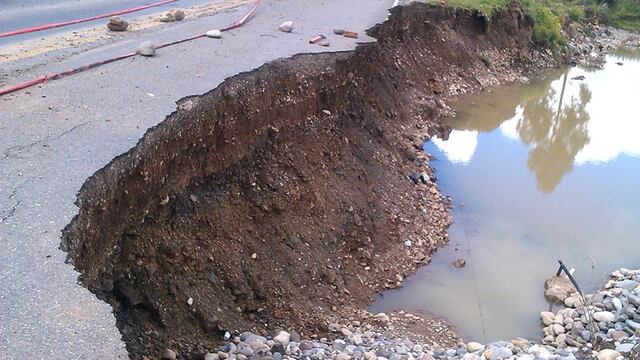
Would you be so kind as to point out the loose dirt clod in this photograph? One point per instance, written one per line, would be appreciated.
(117, 24)
(167, 17)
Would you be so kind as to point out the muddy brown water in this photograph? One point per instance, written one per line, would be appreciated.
(538, 172)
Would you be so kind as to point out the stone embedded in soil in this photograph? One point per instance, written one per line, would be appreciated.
(283, 338)
(212, 277)
(169, 354)
(381, 319)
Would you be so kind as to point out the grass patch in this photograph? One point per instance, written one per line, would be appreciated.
(547, 23)
(624, 14)
(485, 8)
(550, 15)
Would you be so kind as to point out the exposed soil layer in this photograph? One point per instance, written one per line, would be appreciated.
(282, 199)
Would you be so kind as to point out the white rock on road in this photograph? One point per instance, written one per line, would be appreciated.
(146, 48)
(286, 26)
(216, 34)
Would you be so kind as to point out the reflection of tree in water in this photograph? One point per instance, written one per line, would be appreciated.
(556, 132)
(557, 135)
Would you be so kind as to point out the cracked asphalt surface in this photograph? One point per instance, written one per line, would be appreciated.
(53, 137)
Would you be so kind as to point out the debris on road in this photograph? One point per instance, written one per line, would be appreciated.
(216, 34)
(316, 39)
(338, 31)
(459, 263)
(350, 34)
(172, 15)
(286, 26)
(167, 17)
(58, 75)
(146, 48)
(78, 21)
(324, 43)
(117, 24)
(178, 15)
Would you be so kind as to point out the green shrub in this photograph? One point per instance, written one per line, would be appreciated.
(550, 15)
(623, 13)
(486, 8)
(576, 13)
(547, 26)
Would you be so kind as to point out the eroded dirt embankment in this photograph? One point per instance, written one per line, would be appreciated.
(282, 197)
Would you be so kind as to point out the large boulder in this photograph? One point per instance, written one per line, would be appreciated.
(557, 289)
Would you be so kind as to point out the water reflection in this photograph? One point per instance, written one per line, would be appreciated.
(553, 117)
(545, 171)
(556, 135)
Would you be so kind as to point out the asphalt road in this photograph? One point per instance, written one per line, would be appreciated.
(18, 14)
(53, 137)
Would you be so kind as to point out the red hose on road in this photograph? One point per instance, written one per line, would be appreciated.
(78, 21)
(55, 76)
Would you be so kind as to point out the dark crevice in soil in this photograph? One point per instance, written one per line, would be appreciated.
(282, 198)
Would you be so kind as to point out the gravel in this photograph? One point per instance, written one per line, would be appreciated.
(604, 325)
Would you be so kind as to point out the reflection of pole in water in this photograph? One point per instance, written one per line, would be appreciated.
(464, 221)
(564, 85)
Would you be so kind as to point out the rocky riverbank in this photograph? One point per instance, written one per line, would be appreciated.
(603, 326)
(589, 44)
